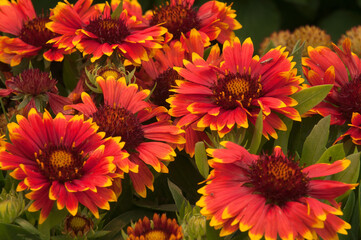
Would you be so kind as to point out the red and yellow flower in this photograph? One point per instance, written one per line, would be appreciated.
(124, 114)
(354, 132)
(160, 228)
(343, 70)
(29, 35)
(63, 161)
(98, 34)
(271, 195)
(234, 93)
(214, 20)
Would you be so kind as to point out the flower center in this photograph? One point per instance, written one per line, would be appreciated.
(236, 89)
(35, 33)
(60, 163)
(116, 121)
(78, 223)
(278, 179)
(33, 82)
(108, 30)
(178, 19)
(110, 72)
(156, 235)
(164, 83)
(349, 98)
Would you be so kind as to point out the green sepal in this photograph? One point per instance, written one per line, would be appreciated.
(201, 159)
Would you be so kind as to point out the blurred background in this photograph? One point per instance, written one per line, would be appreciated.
(260, 18)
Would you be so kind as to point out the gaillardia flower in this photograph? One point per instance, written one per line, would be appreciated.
(271, 195)
(78, 225)
(100, 34)
(35, 89)
(233, 94)
(354, 35)
(161, 228)
(343, 70)
(29, 34)
(63, 161)
(214, 20)
(125, 114)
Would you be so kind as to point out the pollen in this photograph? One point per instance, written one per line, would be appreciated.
(117, 121)
(35, 33)
(236, 88)
(278, 178)
(349, 98)
(61, 159)
(178, 18)
(156, 235)
(110, 72)
(111, 31)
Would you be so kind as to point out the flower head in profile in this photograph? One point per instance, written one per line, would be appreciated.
(159, 228)
(354, 132)
(214, 20)
(29, 35)
(234, 93)
(126, 114)
(98, 34)
(341, 68)
(272, 196)
(35, 89)
(63, 161)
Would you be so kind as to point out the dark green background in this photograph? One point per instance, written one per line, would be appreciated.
(262, 17)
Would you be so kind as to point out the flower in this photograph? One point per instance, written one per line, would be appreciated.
(230, 95)
(36, 89)
(77, 225)
(30, 36)
(124, 114)
(270, 195)
(12, 205)
(277, 38)
(61, 160)
(98, 34)
(343, 70)
(214, 20)
(161, 228)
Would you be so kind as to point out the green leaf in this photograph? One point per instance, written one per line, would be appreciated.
(257, 134)
(333, 153)
(297, 54)
(350, 174)
(98, 234)
(212, 234)
(200, 156)
(178, 197)
(348, 208)
(70, 71)
(117, 11)
(309, 97)
(283, 136)
(11, 232)
(27, 226)
(315, 143)
(55, 218)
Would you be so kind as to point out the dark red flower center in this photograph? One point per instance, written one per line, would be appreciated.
(349, 98)
(164, 83)
(60, 163)
(234, 90)
(278, 179)
(36, 34)
(178, 19)
(116, 121)
(33, 82)
(111, 31)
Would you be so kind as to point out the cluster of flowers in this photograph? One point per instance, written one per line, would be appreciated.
(153, 84)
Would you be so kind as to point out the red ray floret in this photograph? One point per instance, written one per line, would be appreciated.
(271, 195)
(125, 114)
(233, 94)
(62, 161)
